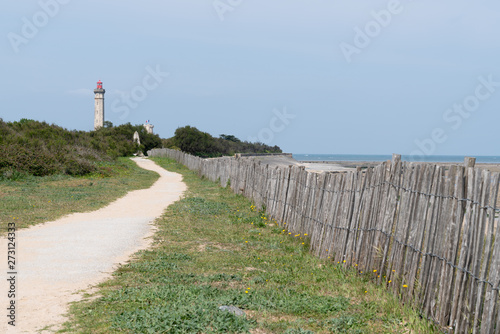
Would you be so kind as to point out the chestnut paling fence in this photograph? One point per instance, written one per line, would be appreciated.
(427, 232)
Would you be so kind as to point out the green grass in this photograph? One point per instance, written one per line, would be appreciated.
(31, 200)
(213, 249)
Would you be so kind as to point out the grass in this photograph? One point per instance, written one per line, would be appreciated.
(31, 200)
(214, 249)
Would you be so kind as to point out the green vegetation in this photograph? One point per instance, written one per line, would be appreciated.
(39, 149)
(32, 199)
(214, 249)
(193, 141)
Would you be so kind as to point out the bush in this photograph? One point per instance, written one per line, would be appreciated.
(40, 149)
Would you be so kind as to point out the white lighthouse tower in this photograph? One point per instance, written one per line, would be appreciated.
(99, 106)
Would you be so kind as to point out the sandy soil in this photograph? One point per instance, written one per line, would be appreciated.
(57, 261)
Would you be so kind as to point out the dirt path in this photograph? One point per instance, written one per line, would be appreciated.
(56, 260)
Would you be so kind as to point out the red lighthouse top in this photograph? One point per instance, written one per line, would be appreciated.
(99, 84)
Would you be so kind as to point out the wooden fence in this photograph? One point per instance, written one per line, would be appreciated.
(425, 231)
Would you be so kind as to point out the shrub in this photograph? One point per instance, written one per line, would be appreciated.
(40, 149)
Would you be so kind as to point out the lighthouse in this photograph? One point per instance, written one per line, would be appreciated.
(99, 106)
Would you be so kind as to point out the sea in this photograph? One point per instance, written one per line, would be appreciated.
(383, 157)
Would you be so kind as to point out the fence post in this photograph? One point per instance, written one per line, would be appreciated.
(469, 162)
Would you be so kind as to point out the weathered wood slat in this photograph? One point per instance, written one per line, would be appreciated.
(334, 183)
(356, 252)
(389, 216)
(400, 233)
(443, 214)
(492, 259)
(315, 227)
(334, 220)
(431, 222)
(356, 224)
(408, 223)
(477, 252)
(451, 246)
(457, 311)
(375, 223)
(491, 186)
(418, 232)
(348, 201)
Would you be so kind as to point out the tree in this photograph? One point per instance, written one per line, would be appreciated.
(108, 124)
(230, 138)
(193, 141)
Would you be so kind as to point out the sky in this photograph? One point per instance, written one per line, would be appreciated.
(414, 77)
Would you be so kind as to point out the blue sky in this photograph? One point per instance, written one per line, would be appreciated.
(363, 77)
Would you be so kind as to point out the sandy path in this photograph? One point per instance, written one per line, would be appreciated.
(56, 260)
